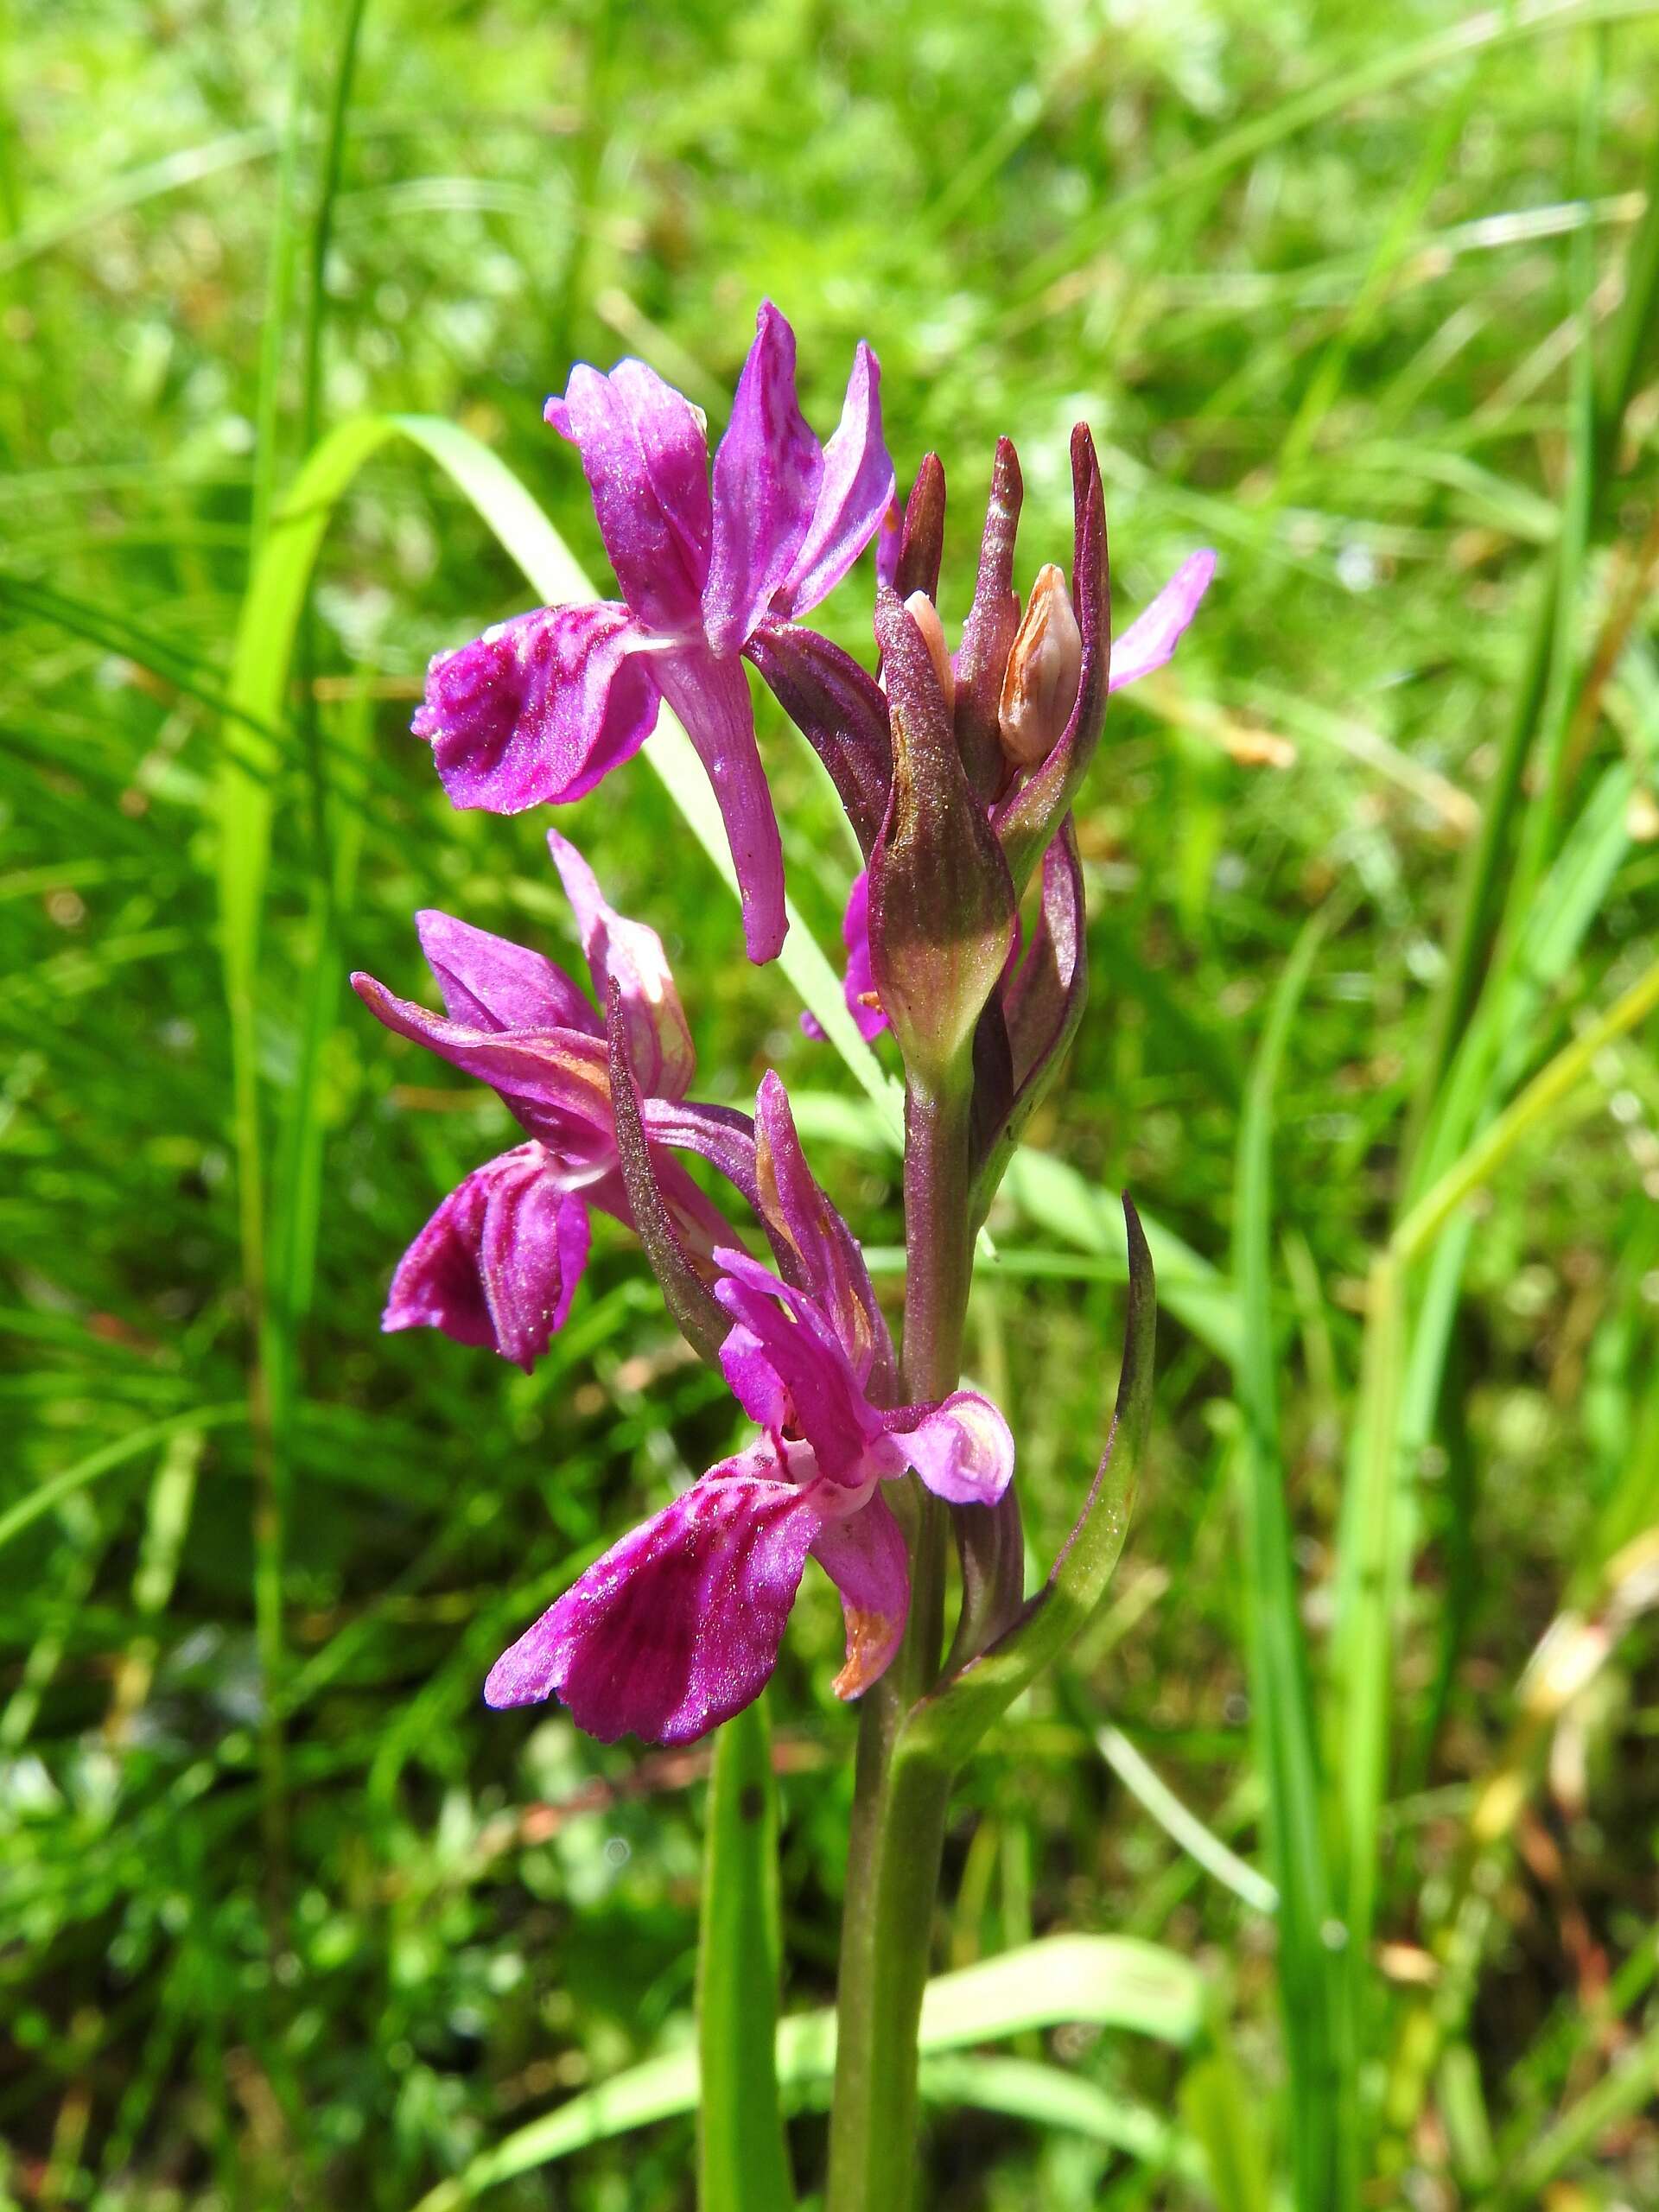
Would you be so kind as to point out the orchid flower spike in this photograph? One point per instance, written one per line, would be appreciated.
(499, 1260)
(543, 707)
(679, 1626)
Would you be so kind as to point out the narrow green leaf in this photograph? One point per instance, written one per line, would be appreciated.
(944, 1727)
(1417, 1231)
(1109, 1981)
(743, 2160)
(1622, 2092)
(46, 1495)
(259, 675)
(1047, 2096)
(1280, 1697)
(1225, 2116)
(1362, 1659)
(1598, 421)
(1183, 1827)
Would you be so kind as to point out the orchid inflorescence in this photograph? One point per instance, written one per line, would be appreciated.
(957, 772)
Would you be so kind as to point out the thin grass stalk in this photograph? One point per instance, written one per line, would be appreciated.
(279, 292)
(1397, 1369)
(271, 1389)
(1475, 921)
(251, 1164)
(1364, 1671)
(1538, 825)
(1320, 2092)
(742, 2155)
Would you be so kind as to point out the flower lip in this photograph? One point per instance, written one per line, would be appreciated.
(679, 1625)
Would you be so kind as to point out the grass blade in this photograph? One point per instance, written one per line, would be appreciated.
(1547, 1090)
(1482, 879)
(742, 2160)
(1178, 1821)
(1280, 1697)
(46, 1495)
(1109, 1981)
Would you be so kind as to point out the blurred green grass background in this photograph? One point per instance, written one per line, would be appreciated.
(1320, 280)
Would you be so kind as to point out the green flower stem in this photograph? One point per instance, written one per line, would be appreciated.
(892, 1874)
(901, 1797)
(939, 1234)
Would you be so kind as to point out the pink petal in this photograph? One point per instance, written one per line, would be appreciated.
(540, 707)
(864, 1556)
(499, 1260)
(703, 1229)
(556, 1081)
(711, 697)
(1151, 638)
(890, 544)
(489, 982)
(859, 985)
(645, 457)
(767, 472)
(962, 1448)
(720, 1134)
(631, 955)
(677, 1627)
(820, 1249)
(855, 494)
(787, 1371)
(858, 980)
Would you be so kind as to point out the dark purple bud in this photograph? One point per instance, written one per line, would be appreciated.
(1029, 820)
(989, 633)
(991, 1547)
(921, 548)
(1045, 998)
(941, 909)
(1041, 1005)
(993, 1078)
(840, 711)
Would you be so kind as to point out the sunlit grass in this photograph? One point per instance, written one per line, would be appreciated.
(1366, 304)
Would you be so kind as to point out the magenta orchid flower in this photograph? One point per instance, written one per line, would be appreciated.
(679, 1626)
(1146, 645)
(958, 773)
(498, 1262)
(543, 707)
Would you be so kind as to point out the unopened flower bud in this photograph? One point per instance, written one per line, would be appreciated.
(942, 910)
(923, 613)
(1039, 687)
